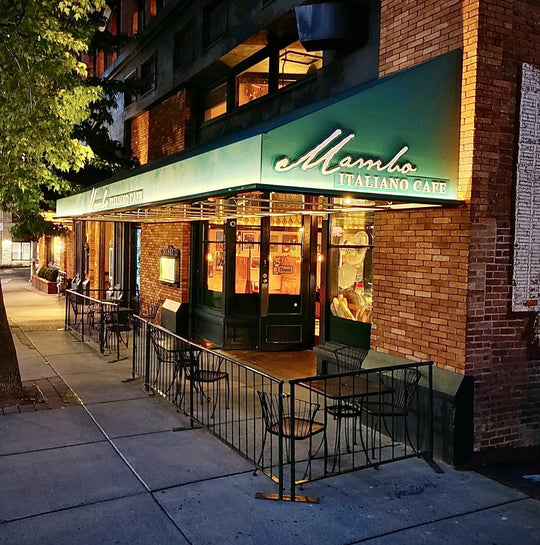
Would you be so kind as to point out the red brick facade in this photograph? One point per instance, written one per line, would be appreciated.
(443, 282)
(162, 130)
(155, 237)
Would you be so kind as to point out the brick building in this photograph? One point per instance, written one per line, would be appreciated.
(371, 183)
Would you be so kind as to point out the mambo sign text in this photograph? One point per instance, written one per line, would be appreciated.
(113, 201)
(361, 174)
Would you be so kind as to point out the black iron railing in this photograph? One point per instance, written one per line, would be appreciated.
(372, 417)
(106, 323)
(308, 429)
(215, 391)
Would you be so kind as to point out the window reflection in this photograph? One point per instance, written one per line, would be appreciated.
(351, 269)
(296, 63)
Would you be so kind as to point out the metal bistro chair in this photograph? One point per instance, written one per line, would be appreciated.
(395, 404)
(150, 309)
(304, 426)
(204, 368)
(169, 352)
(348, 359)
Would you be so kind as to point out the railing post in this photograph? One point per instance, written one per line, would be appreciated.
(136, 328)
(280, 443)
(293, 445)
(430, 421)
(147, 358)
(101, 329)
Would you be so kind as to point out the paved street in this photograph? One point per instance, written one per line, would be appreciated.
(102, 462)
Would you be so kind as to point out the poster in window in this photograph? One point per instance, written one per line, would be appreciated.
(249, 240)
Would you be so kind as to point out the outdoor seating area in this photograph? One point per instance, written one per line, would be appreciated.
(292, 430)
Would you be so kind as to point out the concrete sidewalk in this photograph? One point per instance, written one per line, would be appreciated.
(106, 463)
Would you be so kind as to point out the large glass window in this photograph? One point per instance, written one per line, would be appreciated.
(351, 265)
(20, 251)
(286, 240)
(213, 256)
(248, 255)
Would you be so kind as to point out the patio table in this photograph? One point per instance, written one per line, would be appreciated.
(348, 391)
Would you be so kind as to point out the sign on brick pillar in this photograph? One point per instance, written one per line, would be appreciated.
(526, 292)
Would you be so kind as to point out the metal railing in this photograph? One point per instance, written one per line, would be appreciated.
(370, 417)
(106, 323)
(213, 390)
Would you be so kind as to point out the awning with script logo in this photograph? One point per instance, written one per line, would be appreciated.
(393, 140)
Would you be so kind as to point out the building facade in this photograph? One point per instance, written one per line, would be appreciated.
(356, 172)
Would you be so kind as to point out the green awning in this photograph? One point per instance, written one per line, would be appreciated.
(395, 139)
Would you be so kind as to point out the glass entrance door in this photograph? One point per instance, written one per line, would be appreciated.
(287, 316)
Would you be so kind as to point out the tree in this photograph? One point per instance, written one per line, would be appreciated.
(43, 98)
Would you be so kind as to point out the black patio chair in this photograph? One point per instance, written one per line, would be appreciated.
(149, 310)
(169, 351)
(349, 359)
(394, 404)
(278, 419)
(203, 369)
(118, 323)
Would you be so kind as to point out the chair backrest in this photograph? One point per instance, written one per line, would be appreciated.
(350, 358)
(404, 383)
(303, 410)
(170, 349)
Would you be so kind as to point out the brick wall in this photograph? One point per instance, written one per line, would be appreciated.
(464, 320)
(155, 237)
(163, 130)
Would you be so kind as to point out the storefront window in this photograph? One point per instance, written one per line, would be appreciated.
(248, 255)
(285, 260)
(351, 266)
(213, 252)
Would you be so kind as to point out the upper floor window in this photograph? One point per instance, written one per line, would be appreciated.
(214, 21)
(215, 102)
(270, 69)
(183, 46)
(130, 94)
(148, 75)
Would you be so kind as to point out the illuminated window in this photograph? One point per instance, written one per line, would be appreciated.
(248, 254)
(215, 102)
(351, 265)
(213, 262)
(252, 83)
(20, 251)
(296, 63)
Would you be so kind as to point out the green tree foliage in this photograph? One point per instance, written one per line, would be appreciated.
(43, 97)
